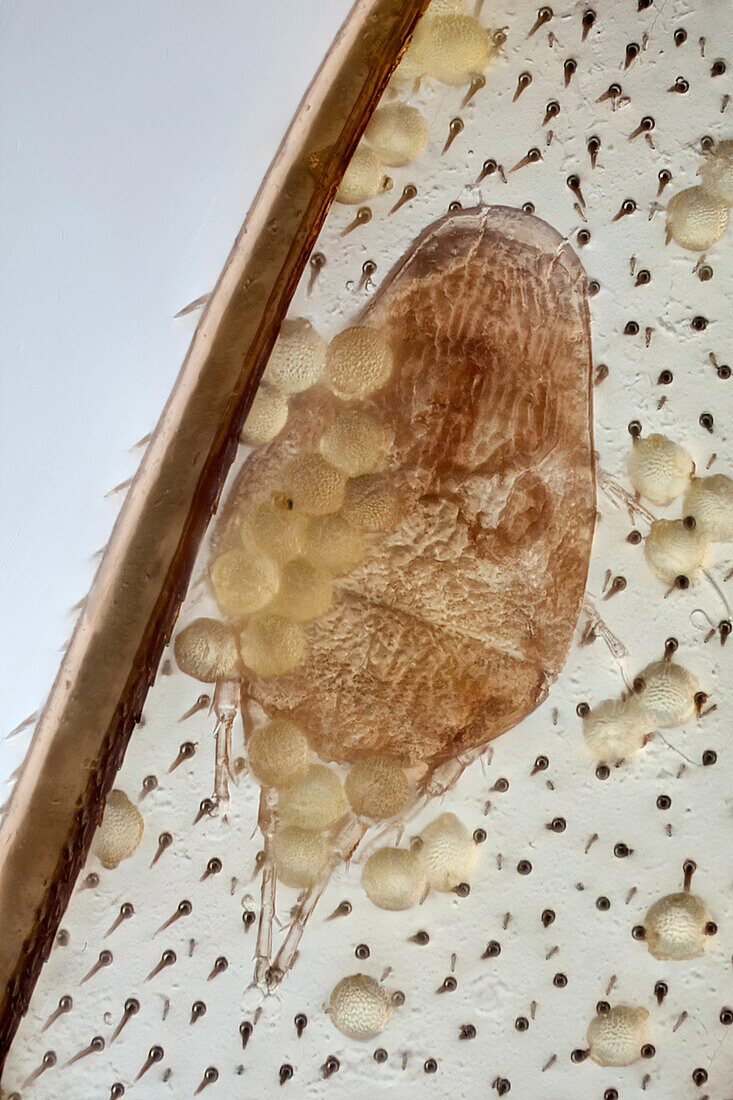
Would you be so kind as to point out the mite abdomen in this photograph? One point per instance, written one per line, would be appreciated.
(458, 618)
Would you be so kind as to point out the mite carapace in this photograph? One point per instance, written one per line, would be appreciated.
(439, 486)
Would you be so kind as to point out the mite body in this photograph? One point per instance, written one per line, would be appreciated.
(460, 614)
(451, 434)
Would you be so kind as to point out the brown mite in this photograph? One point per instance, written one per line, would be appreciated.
(406, 662)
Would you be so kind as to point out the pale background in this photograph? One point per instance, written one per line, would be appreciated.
(133, 139)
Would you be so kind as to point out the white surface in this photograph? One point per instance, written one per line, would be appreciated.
(594, 949)
(133, 138)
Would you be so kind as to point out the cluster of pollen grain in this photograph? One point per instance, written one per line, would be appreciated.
(334, 544)
(448, 45)
(310, 801)
(370, 503)
(295, 542)
(267, 416)
(377, 786)
(447, 852)
(659, 469)
(244, 582)
(716, 173)
(274, 528)
(673, 549)
(616, 1037)
(297, 359)
(358, 362)
(120, 832)
(315, 801)
(397, 133)
(206, 649)
(393, 878)
(355, 443)
(296, 363)
(615, 729)
(305, 592)
(271, 645)
(359, 1007)
(666, 693)
(315, 487)
(709, 500)
(301, 856)
(278, 753)
(675, 927)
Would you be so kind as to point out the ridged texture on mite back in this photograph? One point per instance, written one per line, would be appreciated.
(458, 618)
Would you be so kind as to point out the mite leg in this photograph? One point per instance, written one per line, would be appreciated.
(268, 888)
(594, 628)
(263, 953)
(346, 842)
(621, 497)
(225, 706)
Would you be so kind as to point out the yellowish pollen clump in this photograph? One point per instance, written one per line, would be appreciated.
(393, 878)
(673, 549)
(298, 357)
(398, 134)
(716, 174)
(244, 581)
(377, 786)
(274, 529)
(355, 443)
(266, 418)
(363, 178)
(333, 544)
(447, 852)
(667, 693)
(675, 927)
(616, 1037)
(305, 593)
(301, 856)
(615, 729)
(695, 219)
(315, 487)
(207, 650)
(278, 753)
(659, 469)
(453, 48)
(315, 801)
(120, 832)
(709, 500)
(370, 503)
(271, 645)
(359, 1007)
(358, 361)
